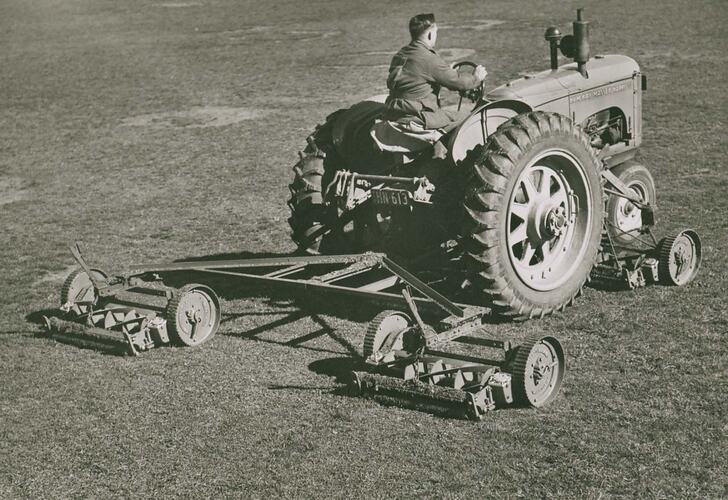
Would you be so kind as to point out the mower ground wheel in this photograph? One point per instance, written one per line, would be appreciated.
(78, 291)
(533, 214)
(380, 331)
(624, 218)
(679, 258)
(538, 371)
(193, 315)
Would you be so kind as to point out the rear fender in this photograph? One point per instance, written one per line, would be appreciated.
(481, 123)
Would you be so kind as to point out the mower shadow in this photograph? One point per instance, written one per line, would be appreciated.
(609, 285)
(36, 317)
(293, 303)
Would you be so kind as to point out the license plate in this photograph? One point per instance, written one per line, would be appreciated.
(391, 197)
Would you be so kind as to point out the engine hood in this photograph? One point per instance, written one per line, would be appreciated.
(537, 89)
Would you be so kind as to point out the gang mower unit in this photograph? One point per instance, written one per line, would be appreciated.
(540, 192)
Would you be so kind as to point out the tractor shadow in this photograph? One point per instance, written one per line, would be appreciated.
(609, 285)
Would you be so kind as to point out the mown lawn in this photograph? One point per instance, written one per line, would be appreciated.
(164, 130)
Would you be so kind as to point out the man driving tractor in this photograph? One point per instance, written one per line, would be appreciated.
(416, 75)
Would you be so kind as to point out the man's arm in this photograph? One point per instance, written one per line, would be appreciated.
(442, 74)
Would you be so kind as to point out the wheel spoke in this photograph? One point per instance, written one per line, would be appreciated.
(518, 235)
(545, 187)
(520, 210)
(558, 197)
(528, 253)
(546, 250)
(529, 188)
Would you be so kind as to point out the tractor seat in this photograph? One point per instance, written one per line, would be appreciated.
(408, 138)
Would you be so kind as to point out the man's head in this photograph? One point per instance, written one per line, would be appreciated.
(422, 27)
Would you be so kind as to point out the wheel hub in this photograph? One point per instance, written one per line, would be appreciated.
(555, 222)
(628, 215)
(628, 208)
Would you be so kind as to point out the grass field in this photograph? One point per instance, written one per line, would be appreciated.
(164, 130)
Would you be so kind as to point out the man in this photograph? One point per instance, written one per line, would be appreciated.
(416, 75)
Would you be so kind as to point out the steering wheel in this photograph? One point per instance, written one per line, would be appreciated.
(473, 95)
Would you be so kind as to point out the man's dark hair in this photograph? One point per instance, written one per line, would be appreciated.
(420, 23)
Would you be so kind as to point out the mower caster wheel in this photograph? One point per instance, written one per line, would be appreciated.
(538, 371)
(78, 294)
(679, 258)
(384, 334)
(193, 315)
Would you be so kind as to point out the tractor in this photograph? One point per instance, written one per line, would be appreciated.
(541, 190)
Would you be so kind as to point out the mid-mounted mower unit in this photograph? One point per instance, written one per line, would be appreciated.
(540, 192)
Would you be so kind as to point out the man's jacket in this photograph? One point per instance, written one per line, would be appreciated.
(415, 77)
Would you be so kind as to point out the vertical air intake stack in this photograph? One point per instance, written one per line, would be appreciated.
(581, 43)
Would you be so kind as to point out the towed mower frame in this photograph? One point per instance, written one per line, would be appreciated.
(135, 311)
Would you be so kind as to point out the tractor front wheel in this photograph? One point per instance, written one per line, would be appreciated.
(624, 218)
(533, 215)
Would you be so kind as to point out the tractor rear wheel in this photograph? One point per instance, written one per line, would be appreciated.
(533, 215)
(306, 203)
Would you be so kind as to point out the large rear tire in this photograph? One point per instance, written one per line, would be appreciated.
(306, 203)
(533, 215)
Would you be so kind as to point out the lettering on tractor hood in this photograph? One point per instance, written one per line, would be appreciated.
(611, 89)
(540, 88)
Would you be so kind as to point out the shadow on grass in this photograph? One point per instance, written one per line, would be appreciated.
(36, 317)
(338, 368)
(606, 285)
(297, 342)
(296, 305)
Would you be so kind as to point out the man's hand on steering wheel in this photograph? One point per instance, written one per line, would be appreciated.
(476, 94)
(480, 72)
